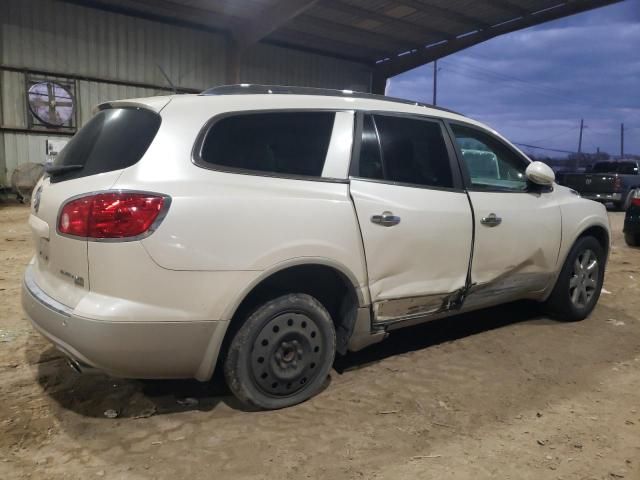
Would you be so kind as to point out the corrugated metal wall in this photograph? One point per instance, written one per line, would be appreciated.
(66, 39)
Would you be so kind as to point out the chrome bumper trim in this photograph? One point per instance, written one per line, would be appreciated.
(42, 297)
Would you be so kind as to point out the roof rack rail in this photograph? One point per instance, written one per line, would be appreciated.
(254, 88)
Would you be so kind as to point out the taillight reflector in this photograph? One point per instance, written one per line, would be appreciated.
(617, 183)
(111, 215)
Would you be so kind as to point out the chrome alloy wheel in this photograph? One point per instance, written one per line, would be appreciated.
(584, 278)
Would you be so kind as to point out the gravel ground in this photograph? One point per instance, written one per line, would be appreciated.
(501, 393)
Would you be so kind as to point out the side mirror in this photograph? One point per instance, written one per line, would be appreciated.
(540, 174)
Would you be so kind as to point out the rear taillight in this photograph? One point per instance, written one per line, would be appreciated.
(111, 215)
(617, 183)
(635, 200)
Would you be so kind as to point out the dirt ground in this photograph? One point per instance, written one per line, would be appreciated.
(503, 393)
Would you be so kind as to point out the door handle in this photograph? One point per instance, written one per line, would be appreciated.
(492, 220)
(387, 219)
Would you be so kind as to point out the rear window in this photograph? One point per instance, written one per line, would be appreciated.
(615, 167)
(112, 140)
(280, 143)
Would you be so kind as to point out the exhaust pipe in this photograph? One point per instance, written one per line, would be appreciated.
(75, 366)
(80, 367)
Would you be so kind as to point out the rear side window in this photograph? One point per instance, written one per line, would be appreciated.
(413, 151)
(113, 139)
(281, 143)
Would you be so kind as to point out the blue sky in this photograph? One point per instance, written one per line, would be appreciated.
(534, 85)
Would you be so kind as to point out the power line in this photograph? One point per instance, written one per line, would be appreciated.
(544, 148)
(556, 135)
(459, 71)
(469, 64)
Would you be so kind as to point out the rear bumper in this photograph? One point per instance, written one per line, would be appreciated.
(180, 349)
(602, 197)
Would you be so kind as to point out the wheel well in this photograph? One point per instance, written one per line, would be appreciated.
(599, 234)
(326, 284)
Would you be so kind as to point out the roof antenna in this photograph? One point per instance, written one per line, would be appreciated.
(164, 74)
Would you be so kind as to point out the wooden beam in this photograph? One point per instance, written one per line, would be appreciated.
(265, 21)
(508, 6)
(402, 26)
(400, 64)
(327, 46)
(351, 34)
(446, 13)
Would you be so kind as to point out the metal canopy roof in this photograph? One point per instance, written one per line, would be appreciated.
(392, 36)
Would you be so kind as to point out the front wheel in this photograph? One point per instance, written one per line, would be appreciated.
(282, 354)
(579, 284)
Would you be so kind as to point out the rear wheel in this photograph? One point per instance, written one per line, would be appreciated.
(632, 239)
(282, 354)
(578, 287)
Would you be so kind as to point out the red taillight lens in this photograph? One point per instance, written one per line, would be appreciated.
(111, 215)
(617, 183)
(635, 200)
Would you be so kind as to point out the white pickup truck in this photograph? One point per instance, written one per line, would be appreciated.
(272, 227)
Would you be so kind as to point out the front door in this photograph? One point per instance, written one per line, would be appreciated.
(415, 219)
(517, 225)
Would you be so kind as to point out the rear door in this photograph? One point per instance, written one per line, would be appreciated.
(517, 226)
(92, 161)
(414, 216)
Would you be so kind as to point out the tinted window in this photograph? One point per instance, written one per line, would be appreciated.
(113, 139)
(490, 163)
(288, 143)
(615, 167)
(413, 151)
(370, 165)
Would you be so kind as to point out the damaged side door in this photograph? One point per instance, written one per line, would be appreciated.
(414, 216)
(517, 225)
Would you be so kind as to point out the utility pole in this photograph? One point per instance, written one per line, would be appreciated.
(580, 139)
(435, 82)
(621, 141)
(579, 156)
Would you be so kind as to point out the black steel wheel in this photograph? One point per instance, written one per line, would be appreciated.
(282, 354)
(580, 281)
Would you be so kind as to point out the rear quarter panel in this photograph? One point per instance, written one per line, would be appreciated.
(220, 221)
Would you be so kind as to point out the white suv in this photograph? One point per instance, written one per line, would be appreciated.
(276, 226)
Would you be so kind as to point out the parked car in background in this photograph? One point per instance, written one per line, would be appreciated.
(632, 221)
(271, 227)
(614, 182)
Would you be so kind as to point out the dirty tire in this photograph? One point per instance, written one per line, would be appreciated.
(282, 354)
(632, 239)
(561, 303)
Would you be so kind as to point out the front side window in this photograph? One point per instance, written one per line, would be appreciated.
(410, 150)
(490, 163)
(285, 143)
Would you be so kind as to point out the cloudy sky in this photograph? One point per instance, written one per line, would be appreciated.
(534, 85)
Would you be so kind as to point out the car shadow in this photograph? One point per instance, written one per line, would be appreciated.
(440, 331)
(99, 396)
